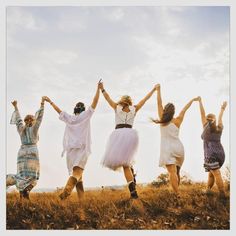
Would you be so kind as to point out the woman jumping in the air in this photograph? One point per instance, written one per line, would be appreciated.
(77, 143)
(28, 158)
(123, 141)
(214, 155)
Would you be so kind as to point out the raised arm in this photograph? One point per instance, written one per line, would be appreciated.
(16, 118)
(178, 121)
(202, 112)
(107, 97)
(159, 101)
(96, 97)
(220, 123)
(56, 108)
(39, 115)
(142, 102)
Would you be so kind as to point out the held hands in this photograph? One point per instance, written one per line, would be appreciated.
(196, 99)
(47, 99)
(157, 87)
(100, 85)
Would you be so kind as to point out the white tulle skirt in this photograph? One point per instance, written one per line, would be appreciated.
(121, 148)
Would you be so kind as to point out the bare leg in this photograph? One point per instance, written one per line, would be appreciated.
(211, 180)
(130, 180)
(173, 177)
(178, 173)
(219, 181)
(128, 174)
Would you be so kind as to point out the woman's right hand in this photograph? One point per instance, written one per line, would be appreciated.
(14, 103)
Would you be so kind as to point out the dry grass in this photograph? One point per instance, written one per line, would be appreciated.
(157, 208)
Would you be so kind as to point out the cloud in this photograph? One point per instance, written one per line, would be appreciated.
(63, 51)
(116, 14)
(59, 56)
(20, 19)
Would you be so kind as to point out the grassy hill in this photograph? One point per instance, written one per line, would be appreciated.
(157, 208)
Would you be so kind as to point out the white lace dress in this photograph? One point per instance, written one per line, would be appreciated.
(123, 142)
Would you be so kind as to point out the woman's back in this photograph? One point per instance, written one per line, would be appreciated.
(123, 117)
(169, 131)
(211, 136)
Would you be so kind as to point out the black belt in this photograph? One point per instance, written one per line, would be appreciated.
(119, 126)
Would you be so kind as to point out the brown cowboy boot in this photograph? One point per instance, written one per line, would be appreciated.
(68, 188)
(80, 189)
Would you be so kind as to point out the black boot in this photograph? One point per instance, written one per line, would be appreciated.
(132, 189)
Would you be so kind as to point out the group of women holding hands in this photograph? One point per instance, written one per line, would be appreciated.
(121, 145)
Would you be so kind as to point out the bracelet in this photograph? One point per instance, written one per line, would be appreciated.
(103, 90)
(51, 103)
(42, 103)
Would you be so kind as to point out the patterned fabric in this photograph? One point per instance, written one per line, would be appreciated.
(27, 159)
(214, 155)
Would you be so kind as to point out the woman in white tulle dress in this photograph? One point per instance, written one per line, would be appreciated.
(123, 141)
(172, 149)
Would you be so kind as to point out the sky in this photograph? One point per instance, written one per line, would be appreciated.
(62, 52)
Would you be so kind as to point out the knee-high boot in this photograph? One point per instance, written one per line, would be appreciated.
(80, 189)
(68, 188)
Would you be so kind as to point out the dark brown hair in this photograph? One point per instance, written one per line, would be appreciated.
(168, 114)
(79, 107)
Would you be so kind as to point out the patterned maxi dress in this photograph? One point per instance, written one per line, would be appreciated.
(214, 155)
(27, 158)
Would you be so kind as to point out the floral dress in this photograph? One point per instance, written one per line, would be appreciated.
(214, 155)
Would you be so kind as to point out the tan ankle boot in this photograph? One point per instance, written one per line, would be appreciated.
(68, 188)
(80, 189)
